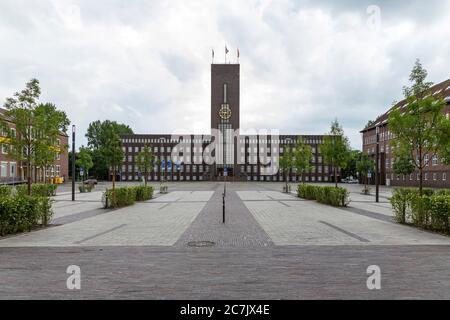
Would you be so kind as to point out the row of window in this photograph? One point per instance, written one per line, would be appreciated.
(254, 178)
(208, 140)
(434, 161)
(9, 170)
(435, 176)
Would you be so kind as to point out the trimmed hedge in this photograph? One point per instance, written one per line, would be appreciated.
(337, 197)
(38, 189)
(126, 196)
(20, 213)
(431, 211)
(5, 191)
(143, 193)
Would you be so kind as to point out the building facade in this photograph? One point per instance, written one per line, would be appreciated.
(436, 174)
(12, 171)
(227, 151)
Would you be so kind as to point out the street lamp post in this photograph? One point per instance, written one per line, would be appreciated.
(73, 162)
(377, 172)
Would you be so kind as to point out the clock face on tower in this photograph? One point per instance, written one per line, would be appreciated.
(225, 111)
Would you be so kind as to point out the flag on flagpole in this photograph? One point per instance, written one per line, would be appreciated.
(226, 49)
(238, 53)
(213, 53)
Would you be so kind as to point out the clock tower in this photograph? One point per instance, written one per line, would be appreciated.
(225, 114)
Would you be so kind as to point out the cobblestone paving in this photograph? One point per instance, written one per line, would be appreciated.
(311, 223)
(273, 246)
(240, 229)
(299, 272)
(146, 223)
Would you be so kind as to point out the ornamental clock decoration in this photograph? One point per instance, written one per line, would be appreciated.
(225, 111)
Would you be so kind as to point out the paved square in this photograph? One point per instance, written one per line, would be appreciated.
(273, 245)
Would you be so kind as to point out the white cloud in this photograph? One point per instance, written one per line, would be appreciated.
(147, 63)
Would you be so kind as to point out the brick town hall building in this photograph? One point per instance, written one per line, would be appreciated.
(252, 156)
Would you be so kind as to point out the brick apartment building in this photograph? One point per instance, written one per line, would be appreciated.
(12, 171)
(436, 174)
(252, 156)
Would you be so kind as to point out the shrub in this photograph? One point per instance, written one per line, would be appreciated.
(45, 210)
(5, 191)
(126, 196)
(20, 213)
(401, 201)
(307, 191)
(337, 197)
(144, 193)
(420, 210)
(440, 212)
(85, 188)
(443, 192)
(38, 189)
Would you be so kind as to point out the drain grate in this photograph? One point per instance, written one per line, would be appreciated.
(201, 244)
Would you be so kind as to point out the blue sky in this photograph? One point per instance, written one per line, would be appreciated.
(147, 63)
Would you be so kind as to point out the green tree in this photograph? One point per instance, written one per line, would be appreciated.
(97, 136)
(144, 161)
(365, 165)
(302, 157)
(350, 169)
(37, 127)
(51, 123)
(335, 149)
(286, 164)
(298, 158)
(84, 161)
(420, 128)
(112, 152)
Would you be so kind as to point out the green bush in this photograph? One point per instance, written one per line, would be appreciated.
(440, 212)
(430, 211)
(20, 213)
(442, 192)
(126, 196)
(401, 202)
(85, 187)
(38, 189)
(307, 191)
(420, 210)
(337, 197)
(5, 191)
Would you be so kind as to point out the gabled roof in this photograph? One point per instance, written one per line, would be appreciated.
(441, 90)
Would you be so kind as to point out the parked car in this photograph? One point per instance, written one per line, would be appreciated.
(349, 180)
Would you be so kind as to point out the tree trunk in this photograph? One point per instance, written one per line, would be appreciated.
(335, 177)
(29, 178)
(114, 186)
(145, 177)
(420, 180)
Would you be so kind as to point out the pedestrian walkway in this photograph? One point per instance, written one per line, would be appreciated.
(239, 230)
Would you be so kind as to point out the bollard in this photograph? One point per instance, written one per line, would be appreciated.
(223, 208)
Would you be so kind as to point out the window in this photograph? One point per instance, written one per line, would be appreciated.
(426, 159)
(434, 176)
(5, 148)
(444, 176)
(434, 160)
(3, 171)
(426, 175)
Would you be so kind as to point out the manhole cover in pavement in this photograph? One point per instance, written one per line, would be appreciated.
(201, 244)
